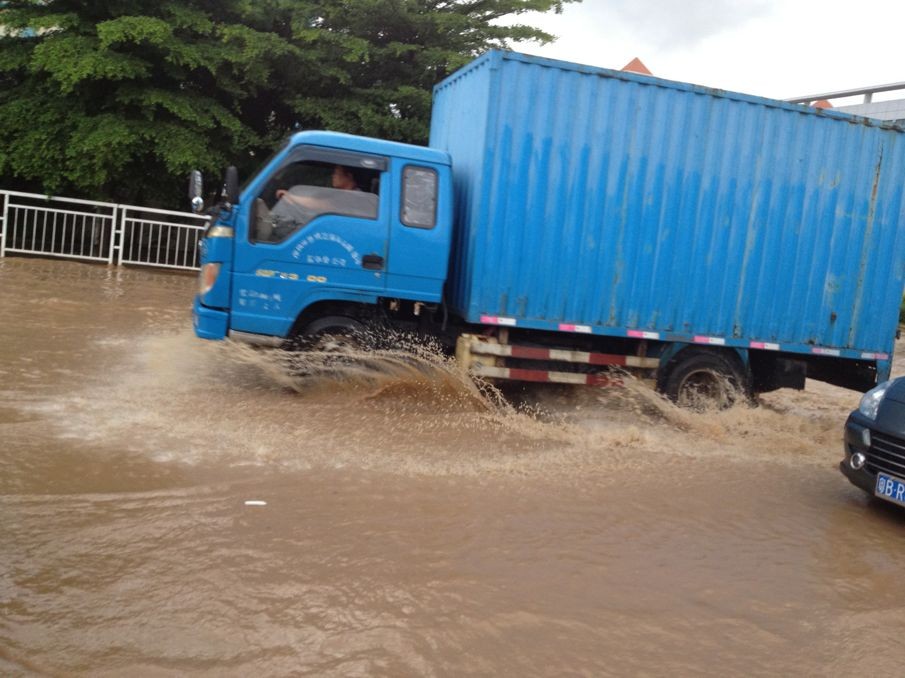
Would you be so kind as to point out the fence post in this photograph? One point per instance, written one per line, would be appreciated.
(3, 224)
(123, 212)
(112, 236)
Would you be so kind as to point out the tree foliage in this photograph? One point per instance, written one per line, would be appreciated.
(118, 99)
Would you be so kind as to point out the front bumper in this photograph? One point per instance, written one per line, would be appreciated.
(857, 439)
(863, 479)
(209, 323)
(880, 440)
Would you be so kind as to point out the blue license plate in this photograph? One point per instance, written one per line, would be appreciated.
(890, 488)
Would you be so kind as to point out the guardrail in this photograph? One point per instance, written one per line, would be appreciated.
(866, 92)
(87, 230)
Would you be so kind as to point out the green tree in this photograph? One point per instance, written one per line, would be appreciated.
(118, 99)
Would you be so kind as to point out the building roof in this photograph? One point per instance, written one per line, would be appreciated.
(636, 66)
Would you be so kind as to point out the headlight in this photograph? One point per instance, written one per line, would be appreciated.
(208, 277)
(870, 401)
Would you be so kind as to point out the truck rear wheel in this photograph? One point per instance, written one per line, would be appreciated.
(702, 380)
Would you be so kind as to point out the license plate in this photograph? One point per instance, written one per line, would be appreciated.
(890, 488)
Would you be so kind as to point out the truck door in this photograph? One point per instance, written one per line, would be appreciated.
(317, 228)
(421, 226)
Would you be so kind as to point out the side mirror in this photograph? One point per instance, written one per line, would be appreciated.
(231, 185)
(196, 190)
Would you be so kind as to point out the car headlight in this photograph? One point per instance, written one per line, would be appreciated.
(870, 401)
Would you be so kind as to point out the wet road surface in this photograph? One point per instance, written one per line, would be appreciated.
(413, 525)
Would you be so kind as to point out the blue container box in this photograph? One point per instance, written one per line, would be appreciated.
(622, 203)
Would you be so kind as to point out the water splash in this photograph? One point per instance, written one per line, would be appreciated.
(405, 407)
(402, 367)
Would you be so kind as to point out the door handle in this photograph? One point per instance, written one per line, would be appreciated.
(372, 262)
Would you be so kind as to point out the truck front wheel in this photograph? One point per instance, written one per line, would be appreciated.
(333, 333)
(702, 380)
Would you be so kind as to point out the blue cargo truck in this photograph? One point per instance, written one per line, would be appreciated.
(566, 219)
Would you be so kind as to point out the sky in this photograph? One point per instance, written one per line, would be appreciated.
(772, 48)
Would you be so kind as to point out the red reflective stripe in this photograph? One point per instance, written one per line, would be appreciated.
(713, 341)
(584, 329)
(766, 345)
(607, 359)
(641, 334)
(530, 353)
(498, 320)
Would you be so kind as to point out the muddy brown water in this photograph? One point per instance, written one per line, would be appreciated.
(413, 525)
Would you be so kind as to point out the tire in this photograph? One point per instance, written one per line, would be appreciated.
(704, 380)
(333, 333)
(326, 346)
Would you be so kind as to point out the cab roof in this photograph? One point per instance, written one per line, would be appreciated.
(352, 142)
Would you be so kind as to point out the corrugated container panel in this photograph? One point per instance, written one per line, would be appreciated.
(597, 197)
(447, 124)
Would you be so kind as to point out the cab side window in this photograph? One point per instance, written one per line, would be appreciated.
(302, 191)
(419, 197)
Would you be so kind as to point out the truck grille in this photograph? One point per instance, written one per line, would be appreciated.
(886, 454)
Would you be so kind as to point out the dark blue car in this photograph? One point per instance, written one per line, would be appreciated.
(875, 442)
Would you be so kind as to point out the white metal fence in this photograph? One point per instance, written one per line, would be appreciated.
(98, 231)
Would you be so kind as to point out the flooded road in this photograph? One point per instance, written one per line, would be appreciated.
(404, 523)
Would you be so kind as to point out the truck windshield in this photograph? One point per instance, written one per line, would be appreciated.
(251, 177)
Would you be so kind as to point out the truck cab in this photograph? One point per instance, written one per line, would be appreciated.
(330, 219)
